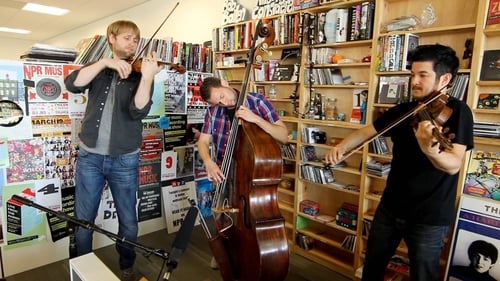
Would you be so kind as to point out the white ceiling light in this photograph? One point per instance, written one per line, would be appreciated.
(14, 30)
(37, 8)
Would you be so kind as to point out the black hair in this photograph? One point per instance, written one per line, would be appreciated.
(484, 248)
(207, 85)
(443, 58)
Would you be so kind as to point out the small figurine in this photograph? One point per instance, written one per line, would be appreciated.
(467, 57)
(428, 16)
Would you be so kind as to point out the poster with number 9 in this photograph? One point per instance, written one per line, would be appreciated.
(168, 165)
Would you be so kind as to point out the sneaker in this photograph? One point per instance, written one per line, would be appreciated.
(213, 263)
(128, 274)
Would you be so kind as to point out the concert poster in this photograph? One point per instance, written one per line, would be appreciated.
(149, 206)
(25, 225)
(12, 88)
(46, 93)
(478, 219)
(177, 195)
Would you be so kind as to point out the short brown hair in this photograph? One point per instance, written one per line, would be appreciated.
(117, 27)
(207, 85)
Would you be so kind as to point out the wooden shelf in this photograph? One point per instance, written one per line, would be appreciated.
(343, 65)
(439, 30)
(488, 141)
(491, 31)
(488, 83)
(451, 30)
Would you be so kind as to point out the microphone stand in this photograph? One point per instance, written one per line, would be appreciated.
(88, 225)
(1, 265)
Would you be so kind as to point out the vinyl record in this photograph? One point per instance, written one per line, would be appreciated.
(48, 89)
(11, 113)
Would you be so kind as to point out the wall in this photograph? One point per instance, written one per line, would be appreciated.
(183, 25)
(26, 258)
(192, 21)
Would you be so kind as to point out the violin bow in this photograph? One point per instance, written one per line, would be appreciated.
(152, 36)
(417, 108)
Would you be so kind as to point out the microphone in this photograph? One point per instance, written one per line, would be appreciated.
(181, 241)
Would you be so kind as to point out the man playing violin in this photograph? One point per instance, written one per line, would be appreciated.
(418, 203)
(111, 135)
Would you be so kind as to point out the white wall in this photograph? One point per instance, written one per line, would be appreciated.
(26, 258)
(192, 21)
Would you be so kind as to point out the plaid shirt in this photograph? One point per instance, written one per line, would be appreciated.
(218, 124)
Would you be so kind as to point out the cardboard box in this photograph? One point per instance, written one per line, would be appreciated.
(309, 207)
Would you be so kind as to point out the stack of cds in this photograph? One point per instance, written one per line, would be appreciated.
(487, 129)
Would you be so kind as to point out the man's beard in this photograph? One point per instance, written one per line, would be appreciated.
(123, 54)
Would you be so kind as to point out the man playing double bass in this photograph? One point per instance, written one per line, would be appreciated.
(216, 128)
(222, 98)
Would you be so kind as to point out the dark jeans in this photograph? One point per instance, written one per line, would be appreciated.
(122, 175)
(425, 243)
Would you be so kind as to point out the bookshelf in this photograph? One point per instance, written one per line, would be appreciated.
(486, 38)
(173, 54)
(357, 63)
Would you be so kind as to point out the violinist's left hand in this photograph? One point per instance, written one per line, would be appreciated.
(149, 66)
(426, 139)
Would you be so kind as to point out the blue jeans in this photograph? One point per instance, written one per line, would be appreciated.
(122, 175)
(425, 243)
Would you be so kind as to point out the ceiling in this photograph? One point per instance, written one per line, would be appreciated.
(44, 27)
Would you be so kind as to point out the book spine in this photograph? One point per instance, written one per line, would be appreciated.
(411, 41)
(493, 16)
(354, 22)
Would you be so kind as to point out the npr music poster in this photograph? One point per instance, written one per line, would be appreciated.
(176, 202)
(46, 93)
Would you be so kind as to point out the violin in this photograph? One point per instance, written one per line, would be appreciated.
(136, 65)
(433, 108)
(438, 113)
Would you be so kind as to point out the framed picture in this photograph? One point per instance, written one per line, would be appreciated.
(490, 68)
(488, 101)
(393, 89)
(260, 89)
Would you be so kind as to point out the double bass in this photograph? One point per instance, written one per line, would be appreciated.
(246, 232)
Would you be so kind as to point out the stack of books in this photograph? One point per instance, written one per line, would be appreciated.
(48, 53)
(349, 243)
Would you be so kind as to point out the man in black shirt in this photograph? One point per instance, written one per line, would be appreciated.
(418, 203)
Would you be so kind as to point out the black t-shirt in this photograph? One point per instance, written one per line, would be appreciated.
(415, 189)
